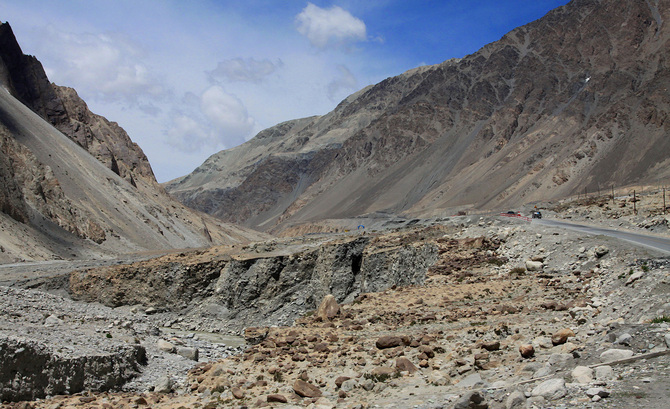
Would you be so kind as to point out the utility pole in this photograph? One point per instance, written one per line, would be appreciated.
(612, 195)
(634, 203)
(663, 200)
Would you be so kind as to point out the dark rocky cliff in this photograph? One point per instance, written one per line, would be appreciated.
(24, 77)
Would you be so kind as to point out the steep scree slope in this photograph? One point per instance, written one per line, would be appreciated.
(58, 201)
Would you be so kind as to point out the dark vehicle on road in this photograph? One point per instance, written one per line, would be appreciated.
(537, 215)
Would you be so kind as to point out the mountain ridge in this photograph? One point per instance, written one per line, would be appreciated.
(548, 110)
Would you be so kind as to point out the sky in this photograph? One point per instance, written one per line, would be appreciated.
(187, 79)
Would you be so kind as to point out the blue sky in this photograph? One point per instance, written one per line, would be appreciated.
(187, 79)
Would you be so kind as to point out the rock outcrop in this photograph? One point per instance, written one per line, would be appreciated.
(262, 289)
(31, 370)
(553, 108)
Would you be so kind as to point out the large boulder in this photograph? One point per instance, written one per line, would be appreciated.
(328, 309)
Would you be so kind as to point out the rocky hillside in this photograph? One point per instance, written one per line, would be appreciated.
(59, 201)
(575, 100)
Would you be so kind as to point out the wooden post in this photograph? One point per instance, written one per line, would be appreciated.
(634, 203)
(663, 200)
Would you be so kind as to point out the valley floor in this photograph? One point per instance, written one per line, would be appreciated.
(593, 310)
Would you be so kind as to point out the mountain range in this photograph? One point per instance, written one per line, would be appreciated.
(577, 100)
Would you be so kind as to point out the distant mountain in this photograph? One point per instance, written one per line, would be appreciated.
(576, 100)
(59, 201)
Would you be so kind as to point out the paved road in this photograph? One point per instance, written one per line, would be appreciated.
(657, 243)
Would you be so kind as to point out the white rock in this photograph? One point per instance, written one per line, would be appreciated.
(624, 339)
(515, 400)
(634, 277)
(165, 346)
(582, 374)
(534, 265)
(164, 385)
(470, 380)
(349, 385)
(52, 320)
(437, 378)
(615, 354)
(603, 393)
(549, 387)
(189, 353)
(604, 373)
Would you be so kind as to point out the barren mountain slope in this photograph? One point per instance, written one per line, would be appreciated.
(24, 77)
(577, 99)
(58, 201)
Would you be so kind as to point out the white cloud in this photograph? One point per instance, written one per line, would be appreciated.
(216, 120)
(227, 113)
(104, 66)
(244, 70)
(187, 134)
(331, 27)
(343, 85)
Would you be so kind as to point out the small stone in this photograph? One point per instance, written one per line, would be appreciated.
(277, 398)
(237, 393)
(165, 346)
(526, 350)
(471, 400)
(582, 374)
(404, 364)
(549, 388)
(633, 278)
(340, 380)
(437, 378)
(306, 389)
(604, 373)
(255, 335)
(349, 385)
(624, 339)
(491, 345)
(561, 336)
(600, 251)
(189, 353)
(164, 385)
(470, 381)
(388, 341)
(612, 355)
(425, 349)
(534, 265)
(52, 320)
(516, 400)
(603, 393)
(367, 384)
